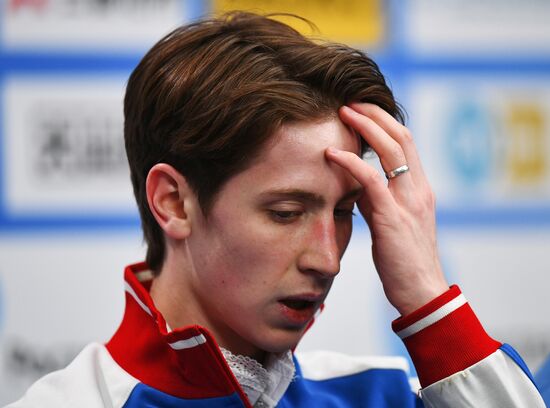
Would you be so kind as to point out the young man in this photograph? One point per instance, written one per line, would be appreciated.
(244, 142)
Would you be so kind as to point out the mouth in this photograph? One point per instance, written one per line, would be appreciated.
(299, 310)
(298, 304)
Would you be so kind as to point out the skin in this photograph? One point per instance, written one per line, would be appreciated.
(276, 232)
(400, 212)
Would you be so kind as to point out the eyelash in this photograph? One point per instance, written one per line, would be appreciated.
(285, 217)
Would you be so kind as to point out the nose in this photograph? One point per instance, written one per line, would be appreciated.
(321, 254)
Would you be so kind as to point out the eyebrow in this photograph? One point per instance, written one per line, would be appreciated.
(307, 196)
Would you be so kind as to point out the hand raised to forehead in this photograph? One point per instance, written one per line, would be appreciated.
(400, 211)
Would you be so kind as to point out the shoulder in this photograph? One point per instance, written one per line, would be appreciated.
(543, 380)
(90, 380)
(366, 381)
(322, 365)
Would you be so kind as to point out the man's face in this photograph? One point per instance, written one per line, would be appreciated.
(265, 257)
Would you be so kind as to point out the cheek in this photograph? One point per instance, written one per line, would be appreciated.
(246, 255)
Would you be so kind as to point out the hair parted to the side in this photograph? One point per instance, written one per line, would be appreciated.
(208, 96)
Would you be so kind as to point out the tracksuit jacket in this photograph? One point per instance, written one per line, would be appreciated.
(144, 365)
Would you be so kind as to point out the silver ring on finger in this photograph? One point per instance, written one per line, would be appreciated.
(397, 172)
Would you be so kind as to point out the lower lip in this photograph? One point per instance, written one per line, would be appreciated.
(297, 317)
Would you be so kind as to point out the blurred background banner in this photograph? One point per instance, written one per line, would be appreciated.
(64, 154)
(357, 22)
(502, 29)
(474, 77)
(486, 141)
(91, 25)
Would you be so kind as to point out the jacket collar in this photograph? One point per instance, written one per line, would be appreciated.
(185, 362)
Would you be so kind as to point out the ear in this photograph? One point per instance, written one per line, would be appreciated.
(170, 200)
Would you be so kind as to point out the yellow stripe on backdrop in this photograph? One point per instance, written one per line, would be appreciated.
(354, 22)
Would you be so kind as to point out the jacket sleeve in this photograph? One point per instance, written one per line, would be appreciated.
(458, 364)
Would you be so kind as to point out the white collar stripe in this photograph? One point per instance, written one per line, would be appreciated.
(132, 293)
(188, 343)
(433, 317)
(178, 345)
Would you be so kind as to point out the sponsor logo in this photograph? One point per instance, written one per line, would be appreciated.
(73, 143)
(507, 144)
(65, 147)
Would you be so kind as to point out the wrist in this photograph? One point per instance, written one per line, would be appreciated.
(413, 299)
(444, 337)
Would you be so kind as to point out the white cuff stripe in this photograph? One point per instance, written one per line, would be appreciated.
(188, 343)
(132, 293)
(433, 317)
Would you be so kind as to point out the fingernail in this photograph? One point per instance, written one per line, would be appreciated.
(332, 150)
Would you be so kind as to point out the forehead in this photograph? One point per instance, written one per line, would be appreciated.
(304, 142)
(295, 157)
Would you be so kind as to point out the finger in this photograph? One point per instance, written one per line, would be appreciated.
(390, 153)
(377, 194)
(397, 131)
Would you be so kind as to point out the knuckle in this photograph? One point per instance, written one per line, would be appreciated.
(397, 153)
(375, 109)
(406, 135)
(430, 199)
(416, 207)
(422, 204)
(373, 177)
(356, 160)
(427, 203)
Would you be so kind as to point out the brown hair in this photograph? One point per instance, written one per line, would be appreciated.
(208, 96)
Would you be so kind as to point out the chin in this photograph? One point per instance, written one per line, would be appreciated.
(279, 342)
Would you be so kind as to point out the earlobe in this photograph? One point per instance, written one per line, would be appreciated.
(169, 198)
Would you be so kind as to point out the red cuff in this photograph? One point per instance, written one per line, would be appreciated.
(444, 337)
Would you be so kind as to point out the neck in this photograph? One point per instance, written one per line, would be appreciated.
(173, 294)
